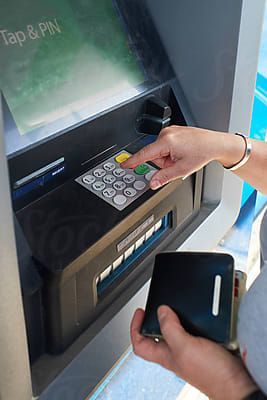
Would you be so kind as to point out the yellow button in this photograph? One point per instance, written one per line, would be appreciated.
(122, 157)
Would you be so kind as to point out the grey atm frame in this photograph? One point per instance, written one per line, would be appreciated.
(234, 84)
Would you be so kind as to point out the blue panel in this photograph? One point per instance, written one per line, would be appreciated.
(258, 123)
(259, 115)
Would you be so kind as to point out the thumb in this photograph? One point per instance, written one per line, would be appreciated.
(171, 328)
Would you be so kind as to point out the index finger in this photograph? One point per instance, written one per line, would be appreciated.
(151, 152)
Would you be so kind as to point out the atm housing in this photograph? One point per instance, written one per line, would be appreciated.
(66, 236)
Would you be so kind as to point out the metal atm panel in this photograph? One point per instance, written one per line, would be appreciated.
(81, 258)
(60, 321)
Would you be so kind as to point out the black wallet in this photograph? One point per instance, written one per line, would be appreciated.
(202, 288)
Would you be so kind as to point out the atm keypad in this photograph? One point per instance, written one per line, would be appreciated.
(118, 187)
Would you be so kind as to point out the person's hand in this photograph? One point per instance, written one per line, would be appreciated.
(201, 362)
(180, 151)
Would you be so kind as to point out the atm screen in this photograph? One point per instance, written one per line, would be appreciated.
(60, 63)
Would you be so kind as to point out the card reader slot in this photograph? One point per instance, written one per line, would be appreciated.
(131, 254)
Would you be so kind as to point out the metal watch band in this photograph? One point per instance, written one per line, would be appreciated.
(246, 155)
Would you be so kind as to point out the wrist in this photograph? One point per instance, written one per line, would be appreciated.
(242, 387)
(231, 149)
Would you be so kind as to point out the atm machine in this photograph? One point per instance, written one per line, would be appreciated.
(84, 85)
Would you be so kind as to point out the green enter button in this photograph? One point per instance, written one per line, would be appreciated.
(142, 169)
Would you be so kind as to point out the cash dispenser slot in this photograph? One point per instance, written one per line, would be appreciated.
(132, 254)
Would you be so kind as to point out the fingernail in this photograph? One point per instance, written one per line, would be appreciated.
(155, 184)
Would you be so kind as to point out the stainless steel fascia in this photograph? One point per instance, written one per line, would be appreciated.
(15, 380)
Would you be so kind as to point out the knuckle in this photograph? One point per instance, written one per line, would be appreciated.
(165, 132)
(163, 178)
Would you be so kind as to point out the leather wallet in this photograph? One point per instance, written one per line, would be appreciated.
(202, 288)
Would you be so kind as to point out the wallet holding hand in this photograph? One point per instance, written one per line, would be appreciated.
(204, 291)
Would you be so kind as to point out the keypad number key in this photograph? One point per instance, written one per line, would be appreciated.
(130, 192)
(99, 173)
(88, 179)
(109, 166)
(99, 186)
(109, 179)
(119, 172)
(119, 185)
(109, 192)
(128, 178)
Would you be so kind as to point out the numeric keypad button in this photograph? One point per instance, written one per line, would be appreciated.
(139, 185)
(99, 172)
(129, 192)
(149, 175)
(109, 192)
(119, 185)
(88, 179)
(119, 172)
(109, 166)
(119, 199)
(109, 179)
(99, 186)
(128, 178)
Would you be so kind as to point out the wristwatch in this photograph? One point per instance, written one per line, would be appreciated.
(247, 153)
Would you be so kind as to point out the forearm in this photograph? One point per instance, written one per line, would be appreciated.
(180, 151)
(231, 149)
